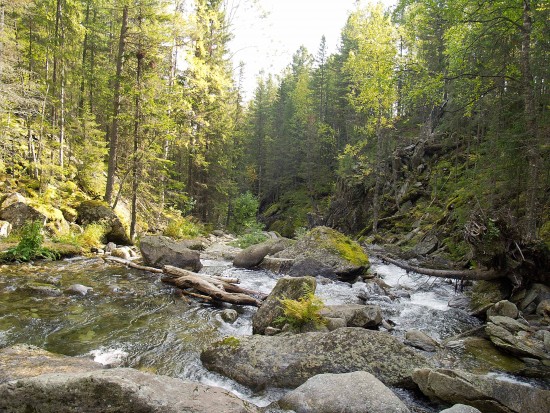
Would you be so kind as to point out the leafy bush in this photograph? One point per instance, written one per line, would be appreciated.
(30, 245)
(301, 312)
(180, 227)
(254, 236)
(244, 213)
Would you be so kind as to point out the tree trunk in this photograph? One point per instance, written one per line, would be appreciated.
(135, 161)
(113, 139)
(532, 150)
(454, 274)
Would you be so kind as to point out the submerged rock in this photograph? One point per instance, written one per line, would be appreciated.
(159, 250)
(78, 289)
(271, 309)
(23, 361)
(288, 361)
(486, 393)
(116, 390)
(356, 392)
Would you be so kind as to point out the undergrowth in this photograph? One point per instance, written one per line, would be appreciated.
(30, 245)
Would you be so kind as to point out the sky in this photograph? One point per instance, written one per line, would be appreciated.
(268, 32)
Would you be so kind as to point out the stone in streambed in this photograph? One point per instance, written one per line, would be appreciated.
(288, 361)
(116, 390)
(158, 251)
(356, 392)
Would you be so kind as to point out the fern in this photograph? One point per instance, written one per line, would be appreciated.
(30, 246)
(298, 313)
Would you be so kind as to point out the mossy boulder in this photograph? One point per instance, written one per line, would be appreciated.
(330, 248)
(288, 361)
(99, 212)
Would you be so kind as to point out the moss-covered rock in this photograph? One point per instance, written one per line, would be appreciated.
(331, 248)
(99, 212)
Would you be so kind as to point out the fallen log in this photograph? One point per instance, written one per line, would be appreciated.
(207, 287)
(473, 275)
(133, 264)
(198, 283)
(224, 283)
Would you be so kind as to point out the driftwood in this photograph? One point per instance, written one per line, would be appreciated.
(205, 287)
(454, 274)
(131, 264)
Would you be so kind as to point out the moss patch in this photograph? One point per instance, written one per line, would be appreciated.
(232, 342)
(341, 245)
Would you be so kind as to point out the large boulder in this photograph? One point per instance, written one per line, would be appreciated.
(158, 250)
(421, 340)
(98, 212)
(19, 213)
(516, 337)
(312, 267)
(288, 361)
(13, 198)
(252, 256)
(116, 390)
(23, 361)
(330, 248)
(485, 393)
(503, 308)
(356, 392)
(271, 309)
(355, 315)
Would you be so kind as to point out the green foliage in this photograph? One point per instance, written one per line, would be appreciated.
(30, 245)
(93, 236)
(245, 209)
(253, 235)
(231, 341)
(304, 311)
(182, 228)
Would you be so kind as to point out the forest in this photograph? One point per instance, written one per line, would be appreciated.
(429, 126)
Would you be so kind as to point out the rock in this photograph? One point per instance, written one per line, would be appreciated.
(536, 294)
(503, 308)
(110, 246)
(310, 266)
(79, 289)
(5, 229)
(252, 256)
(515, 337)
(335, 323)
(13, 198)
(484, 294)
(218, 233)
(357, 392)
(276, 265)
(122, 252)
(460, 408)
(116, 390)
(485, 393)
(159, 250)
(288, 361)
(271, 309)
(330, 248)
(428, 245)
(543, 309)
(229, 315)
(23, 361)
(19, 213)
(271, 331)
(355, 315)
(459, 301)
(44, 289)
(420, 340)
(98, 212)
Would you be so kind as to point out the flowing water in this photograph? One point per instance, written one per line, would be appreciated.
(133, 319)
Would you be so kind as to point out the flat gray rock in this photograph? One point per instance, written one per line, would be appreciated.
(116, 390)
(357, 392)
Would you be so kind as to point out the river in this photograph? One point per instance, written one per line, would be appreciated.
(132, 319)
